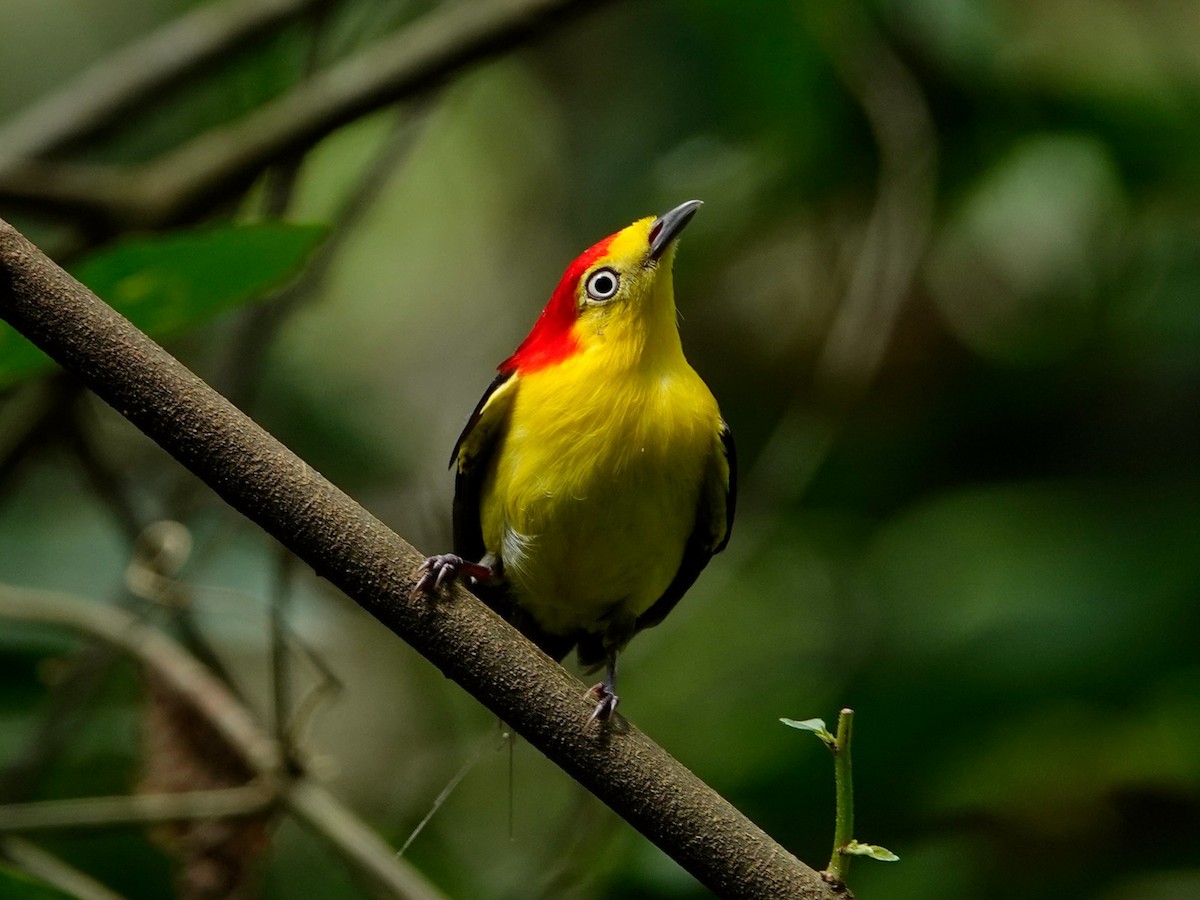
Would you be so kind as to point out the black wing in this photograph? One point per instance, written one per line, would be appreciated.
(714, 523)
(472, 453)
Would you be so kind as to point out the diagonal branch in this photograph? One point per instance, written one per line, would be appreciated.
(189, 181)
(362, 848)
(125, 80)
(357, 553)
(33, 859)
(181, 671)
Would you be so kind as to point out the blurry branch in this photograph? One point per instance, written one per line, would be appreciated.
(249, 347)
(291, 715)
(149, 646)
(359, 846)
(105, 480)
(138, 809)
(70, 699)
(271, 787)
(31, 858)
(357, 553)
(280, 183)
(22, 411)
(583, 834)
(190, 180)
(898, 228)
(160, 550)
(281, 670)
(893, 240)
(255, 330)
(103, 94)
(84, 675)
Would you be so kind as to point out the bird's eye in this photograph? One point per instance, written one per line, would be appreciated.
(602, 285)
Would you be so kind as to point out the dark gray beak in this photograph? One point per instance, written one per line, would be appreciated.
(667, 226)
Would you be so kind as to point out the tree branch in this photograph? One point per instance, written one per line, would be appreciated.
(266, 482)
(33, 859)
(897, 231)
(179, 669)
(248, 799)
(121, 82)
(189, 181)
(893, 239)
(256, 336)
(297, 792)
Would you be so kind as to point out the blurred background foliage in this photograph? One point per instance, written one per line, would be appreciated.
(945, 287)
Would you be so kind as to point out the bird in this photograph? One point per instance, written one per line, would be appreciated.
(596, 477)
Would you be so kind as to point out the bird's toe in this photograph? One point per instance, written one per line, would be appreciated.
(606, 702)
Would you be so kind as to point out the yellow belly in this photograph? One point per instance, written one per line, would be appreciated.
(594, 489)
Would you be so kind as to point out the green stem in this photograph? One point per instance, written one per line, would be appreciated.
(843, 830)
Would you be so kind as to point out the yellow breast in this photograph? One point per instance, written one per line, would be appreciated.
(595, 484)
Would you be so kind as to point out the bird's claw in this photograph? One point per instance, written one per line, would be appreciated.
(437, 570)
(606, 702)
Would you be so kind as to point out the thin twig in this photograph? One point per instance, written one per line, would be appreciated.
(359, 845)
(69, 704)
(282, 176)
(455, 780)
(105, 481)
(843, 779)
(327, 688)
(280, 657)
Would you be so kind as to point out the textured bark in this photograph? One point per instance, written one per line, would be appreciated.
(345, 544)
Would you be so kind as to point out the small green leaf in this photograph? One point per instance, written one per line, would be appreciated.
(167, 284)
(874, 851)
(16, 885)
(816, 726)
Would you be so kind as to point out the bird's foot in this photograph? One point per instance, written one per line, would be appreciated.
(444, 567)
(606, 701)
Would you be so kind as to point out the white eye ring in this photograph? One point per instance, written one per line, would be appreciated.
(602, 285)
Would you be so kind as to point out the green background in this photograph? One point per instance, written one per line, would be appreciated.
(945, 287)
